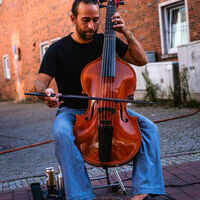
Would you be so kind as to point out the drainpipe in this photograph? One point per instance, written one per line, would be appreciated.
(17, 72)
(177, 89)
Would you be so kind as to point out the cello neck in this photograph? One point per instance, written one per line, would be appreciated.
(109, 46)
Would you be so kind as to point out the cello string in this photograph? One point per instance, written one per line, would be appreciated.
(110, 61)
(102, 78)
(107, 69)
(109, 57)
(113, 66)
(107, 62)
(100, 104)
(103, 74)
(105, 65)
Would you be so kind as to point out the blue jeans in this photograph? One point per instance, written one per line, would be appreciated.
(147, 171)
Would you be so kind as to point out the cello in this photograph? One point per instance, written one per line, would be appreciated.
(106, 134)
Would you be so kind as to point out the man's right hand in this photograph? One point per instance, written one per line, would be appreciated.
(52, 101)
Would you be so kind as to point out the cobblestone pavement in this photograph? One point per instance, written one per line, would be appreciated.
(29, 123)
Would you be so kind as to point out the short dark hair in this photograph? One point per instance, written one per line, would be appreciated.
(77, 2)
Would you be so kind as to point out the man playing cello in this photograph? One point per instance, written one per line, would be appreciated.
(64, 61)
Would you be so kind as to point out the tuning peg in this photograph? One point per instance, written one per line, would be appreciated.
(101, 1)
(119, 2)
(101, 6)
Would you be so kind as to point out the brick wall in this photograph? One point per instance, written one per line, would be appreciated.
(29, 23)
(194, 19)
(142, 19)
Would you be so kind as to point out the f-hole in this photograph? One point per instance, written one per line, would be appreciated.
(121, 114)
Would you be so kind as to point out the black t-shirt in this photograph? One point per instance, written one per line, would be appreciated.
(66, 59)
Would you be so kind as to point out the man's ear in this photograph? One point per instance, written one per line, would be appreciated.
(73, 18)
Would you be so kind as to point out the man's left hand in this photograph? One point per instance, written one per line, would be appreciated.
(119, 23)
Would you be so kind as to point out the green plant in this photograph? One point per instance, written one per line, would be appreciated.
(185, 91)
(151, 88)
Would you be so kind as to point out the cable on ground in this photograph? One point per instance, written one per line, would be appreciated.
(49, 141)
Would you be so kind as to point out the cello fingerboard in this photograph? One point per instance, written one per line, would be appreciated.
(109, 46)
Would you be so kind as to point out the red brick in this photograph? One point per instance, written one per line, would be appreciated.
(172, 191)
(182, 196)
(6, 195)
(188, 178)
(29, 23)
(191, 191)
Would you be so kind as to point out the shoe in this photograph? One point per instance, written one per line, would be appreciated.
(158, 197)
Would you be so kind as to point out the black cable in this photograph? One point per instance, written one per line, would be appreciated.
(183, 185)
(169, 185)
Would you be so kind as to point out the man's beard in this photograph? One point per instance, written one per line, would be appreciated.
(83, 34)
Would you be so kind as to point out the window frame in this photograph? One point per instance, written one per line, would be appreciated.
(47, 44)
(6, 65)
(164, 24)
(42, 46)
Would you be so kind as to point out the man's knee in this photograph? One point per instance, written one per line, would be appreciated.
(63, 131)
(154, 136)
(154, 128)
(151, 131)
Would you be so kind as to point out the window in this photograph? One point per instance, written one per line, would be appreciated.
(6, 67)
(45, 45)
(173, 25)
(43, 48)
(1, 2)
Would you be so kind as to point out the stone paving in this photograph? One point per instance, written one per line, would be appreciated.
(28, 123)
(181, 183)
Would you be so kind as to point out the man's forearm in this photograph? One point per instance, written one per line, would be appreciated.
(39, 86)
(136, 50)
(42, 82)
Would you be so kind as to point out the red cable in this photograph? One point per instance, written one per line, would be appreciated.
(49, 141)
(178, 117)
(26, 147)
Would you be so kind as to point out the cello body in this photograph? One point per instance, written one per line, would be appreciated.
(126, 137)
(106, 134)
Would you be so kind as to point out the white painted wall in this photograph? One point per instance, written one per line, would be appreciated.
(160, 73)
(189, 57)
